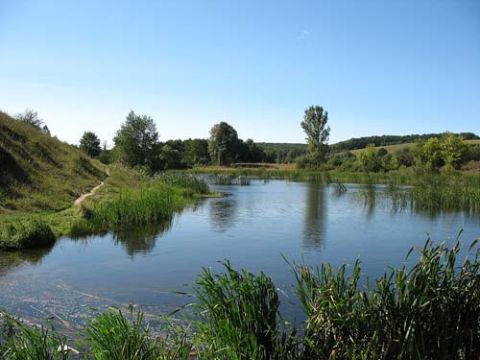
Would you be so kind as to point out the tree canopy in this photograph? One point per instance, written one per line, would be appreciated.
(90, 144)
(136, 140)
(223, 143)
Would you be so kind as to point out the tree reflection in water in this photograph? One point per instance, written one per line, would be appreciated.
(315, 215)
(9, 260)
(223, 212)
(141, 239)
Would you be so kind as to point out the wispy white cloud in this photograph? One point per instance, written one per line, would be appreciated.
(303, 35)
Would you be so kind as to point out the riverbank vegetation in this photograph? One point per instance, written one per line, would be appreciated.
(42, 176)
(127, 198)
(430, 310)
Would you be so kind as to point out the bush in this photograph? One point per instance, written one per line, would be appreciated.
(472, 153)
(405, 157)
(26, 234)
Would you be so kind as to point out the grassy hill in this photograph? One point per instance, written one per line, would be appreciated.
(40, 172)
(396, 147)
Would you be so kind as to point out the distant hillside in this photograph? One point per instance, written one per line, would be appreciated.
(385, 140)
(39, 172)
(287, 152)
(397, 147)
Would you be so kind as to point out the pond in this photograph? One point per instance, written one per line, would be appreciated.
(256, 227)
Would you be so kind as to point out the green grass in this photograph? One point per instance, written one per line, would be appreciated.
(127, 198)
(184, 181)
(26, 234)
(153, 201)
(41, 173)
(430, 310)
(23, 342)
(239, 317)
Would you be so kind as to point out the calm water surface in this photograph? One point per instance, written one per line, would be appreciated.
(252, 227)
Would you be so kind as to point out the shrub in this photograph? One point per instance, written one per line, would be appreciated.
(26, 234)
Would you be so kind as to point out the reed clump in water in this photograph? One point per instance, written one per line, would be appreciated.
(184, 181)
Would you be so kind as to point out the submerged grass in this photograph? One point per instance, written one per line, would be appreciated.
(428, 311)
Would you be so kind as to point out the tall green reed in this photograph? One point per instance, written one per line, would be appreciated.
(23, 342)
(431, 311)
(238, 317)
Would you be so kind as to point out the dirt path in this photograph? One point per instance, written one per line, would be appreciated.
(82, 198)
(92, 192)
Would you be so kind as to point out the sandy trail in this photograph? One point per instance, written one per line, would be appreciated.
(92, 192)
(82, 198)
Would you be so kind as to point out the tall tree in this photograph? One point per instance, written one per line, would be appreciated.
(90, 144)
(315, 126)
(196, 152)
(223, 143)
(136, 141)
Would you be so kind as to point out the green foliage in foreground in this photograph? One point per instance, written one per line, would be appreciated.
(22, 342)
(428, 311)
(239, 314)
(431, 311)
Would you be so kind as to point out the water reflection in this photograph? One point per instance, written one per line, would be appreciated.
(141, 239)
(315, 215)
(10, 260)
(223, 212)
(369, 194)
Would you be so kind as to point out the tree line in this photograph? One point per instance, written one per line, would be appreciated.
(137, 144)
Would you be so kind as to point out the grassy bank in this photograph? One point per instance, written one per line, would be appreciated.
(126, 198)
(428, 311)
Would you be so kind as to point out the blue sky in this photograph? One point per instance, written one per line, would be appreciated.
(378, 67)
